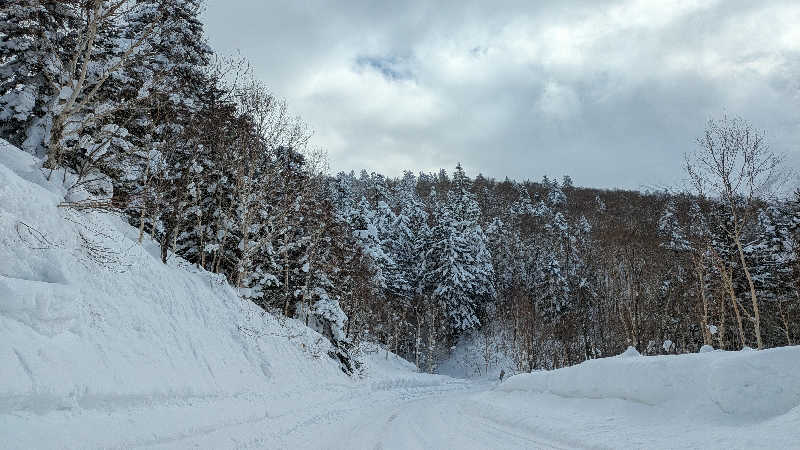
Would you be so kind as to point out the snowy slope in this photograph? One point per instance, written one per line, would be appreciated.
(91, 320)
(385, 370)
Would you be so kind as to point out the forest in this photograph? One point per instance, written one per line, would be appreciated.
(197, 153)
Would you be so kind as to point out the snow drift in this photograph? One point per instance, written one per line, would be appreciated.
(90, 318)
(748, 385)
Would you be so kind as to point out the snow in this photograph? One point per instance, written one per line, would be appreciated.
(92, 322)
(387, 371)
(718, 399)
(715, 400)
(630, 352)
(479, 355)
(103, 346)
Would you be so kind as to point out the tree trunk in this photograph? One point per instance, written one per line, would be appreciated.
(144, 201)
(141, 224)
(165, 241)
(785, 323)
(701, 287)
(756, 314)
(202, 262)
(721, 329)
(431, 338)
(738, 318)
(418, 341)
(286, 282)
(175, 240)
(727, 279)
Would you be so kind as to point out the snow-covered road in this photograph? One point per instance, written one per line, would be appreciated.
(441, 415)
(436, 421)
(401, 414)
(404, 410)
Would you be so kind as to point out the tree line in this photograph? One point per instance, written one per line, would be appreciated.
(202, 158)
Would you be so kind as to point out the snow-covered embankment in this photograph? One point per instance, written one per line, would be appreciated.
(746, 384)
(91, 320)
(718, 399)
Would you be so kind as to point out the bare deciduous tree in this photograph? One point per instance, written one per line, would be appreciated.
(734, 165)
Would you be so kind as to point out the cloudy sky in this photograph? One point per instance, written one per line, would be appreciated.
(612, 93)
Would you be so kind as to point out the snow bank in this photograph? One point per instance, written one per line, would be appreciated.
(90, 318)
(387, 371)
(750, 385)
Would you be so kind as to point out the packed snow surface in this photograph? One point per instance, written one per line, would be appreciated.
(103, 346)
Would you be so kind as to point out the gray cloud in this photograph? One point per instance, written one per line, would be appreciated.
(612, 93)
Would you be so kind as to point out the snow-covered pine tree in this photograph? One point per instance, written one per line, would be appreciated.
(88, 130)
(773, 261)
(379, 189)
(670, 229)
(504, 244)
(553, 265)
(555, 194)
(727, 268)
(365, 230)
(374, 232)
(355, 280)
(35, 39)
(182, 100)
(391, 233)
(291, 236)
(411, 233)
(522, 208)
(550, 282)
(459, 273)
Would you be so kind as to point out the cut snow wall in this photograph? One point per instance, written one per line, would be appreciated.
(748, 384)
(78, 329)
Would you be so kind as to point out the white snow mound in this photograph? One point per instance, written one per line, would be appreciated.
(90, 318)
(630, 352)
(751, 385)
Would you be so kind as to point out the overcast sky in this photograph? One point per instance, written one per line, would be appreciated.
(611, 93)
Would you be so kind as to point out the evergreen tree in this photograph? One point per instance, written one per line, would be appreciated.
(670, 229)
(411, 233)
(459, 273)
(35, 40)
